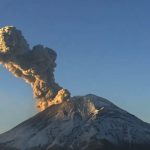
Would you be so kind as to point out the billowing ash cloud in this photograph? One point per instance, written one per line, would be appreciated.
(35, 66)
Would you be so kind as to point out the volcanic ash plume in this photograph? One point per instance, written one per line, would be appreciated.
(35, 66)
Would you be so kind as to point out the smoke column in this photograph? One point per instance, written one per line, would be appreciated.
(35, 66)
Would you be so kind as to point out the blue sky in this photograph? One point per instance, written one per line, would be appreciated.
(103, 48)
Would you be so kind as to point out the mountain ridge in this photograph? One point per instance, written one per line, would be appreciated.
(82, 122)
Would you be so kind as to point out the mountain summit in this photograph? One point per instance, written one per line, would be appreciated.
(81, 123)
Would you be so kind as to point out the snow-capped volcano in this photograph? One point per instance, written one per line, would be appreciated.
(82, 122)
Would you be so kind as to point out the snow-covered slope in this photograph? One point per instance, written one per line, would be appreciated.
(84, 123)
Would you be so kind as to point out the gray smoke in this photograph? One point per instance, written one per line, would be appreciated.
(35, 66)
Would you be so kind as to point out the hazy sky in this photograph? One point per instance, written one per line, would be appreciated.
(103, 48)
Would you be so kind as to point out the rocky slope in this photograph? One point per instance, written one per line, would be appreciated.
(84, 123)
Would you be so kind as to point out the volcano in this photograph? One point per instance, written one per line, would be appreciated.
(65, 123)
(80, 123)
